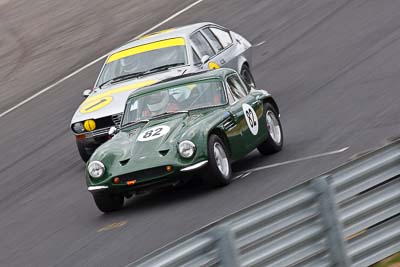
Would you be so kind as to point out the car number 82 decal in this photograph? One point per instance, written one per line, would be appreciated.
(251, 118)
(153, 133)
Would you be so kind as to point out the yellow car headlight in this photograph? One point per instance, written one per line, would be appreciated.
(89, 125)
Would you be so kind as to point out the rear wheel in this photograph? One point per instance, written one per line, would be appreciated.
(219, 165)
(274, 141)
(247, 76)
(108, 203)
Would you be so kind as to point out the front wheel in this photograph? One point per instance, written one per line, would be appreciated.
(219, 165)
(274, 141)
(108, 203)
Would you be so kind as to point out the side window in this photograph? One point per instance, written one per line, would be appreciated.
(223, 36)
(236, 86)
(213, 40)
(196, 58)
(130, 113)
(201, 45)
(229, 93)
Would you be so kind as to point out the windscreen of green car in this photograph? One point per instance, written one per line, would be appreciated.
(181, 98)
(144, 58)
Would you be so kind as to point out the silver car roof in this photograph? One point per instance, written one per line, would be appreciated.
(181, 31)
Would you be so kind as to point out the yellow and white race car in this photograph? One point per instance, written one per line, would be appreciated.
(148, 60)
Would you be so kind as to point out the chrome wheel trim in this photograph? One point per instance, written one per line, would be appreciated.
(274, 129)
(221, 159)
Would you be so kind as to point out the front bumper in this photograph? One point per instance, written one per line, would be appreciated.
(149, 183)
(97, 188)
(195, 166)
(90, 142)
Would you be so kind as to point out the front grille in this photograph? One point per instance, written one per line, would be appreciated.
(144, 174)
(104, 124)
(103, 131)
(116, 118)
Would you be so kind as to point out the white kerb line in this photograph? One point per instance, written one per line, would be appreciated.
(94, 61)
(292, 161)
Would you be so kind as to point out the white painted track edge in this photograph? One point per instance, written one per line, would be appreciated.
(94, 61)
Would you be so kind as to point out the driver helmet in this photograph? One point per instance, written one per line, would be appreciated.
(180, 93)
(158, 101)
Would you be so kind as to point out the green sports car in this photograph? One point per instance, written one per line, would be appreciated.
(181, 126)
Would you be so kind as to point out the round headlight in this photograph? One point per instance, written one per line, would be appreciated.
(96, 169)
(186, 149)
(89, 125)
(78, 127)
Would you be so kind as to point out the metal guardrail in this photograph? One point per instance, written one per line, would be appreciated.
(347, 217)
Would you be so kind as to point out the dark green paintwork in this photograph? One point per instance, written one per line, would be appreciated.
(195, 126)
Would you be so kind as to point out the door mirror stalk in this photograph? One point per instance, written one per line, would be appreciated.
(86, 93)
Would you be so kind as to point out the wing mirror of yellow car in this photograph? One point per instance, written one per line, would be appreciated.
(86, 93)
(204, 59)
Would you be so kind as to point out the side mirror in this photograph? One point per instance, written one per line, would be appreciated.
(113, 130)
(204, 59)
(86, 93)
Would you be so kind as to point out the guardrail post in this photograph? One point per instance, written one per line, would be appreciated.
(330, 219)
(226, 247)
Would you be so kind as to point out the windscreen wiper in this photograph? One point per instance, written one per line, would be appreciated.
(163, 67)
(133, 123)
(168, 113)
(123, 77)
(141, 73)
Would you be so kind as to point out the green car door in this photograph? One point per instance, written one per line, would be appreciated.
(233, 126)
(249, 110)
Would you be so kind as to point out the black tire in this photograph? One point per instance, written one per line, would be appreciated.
(247, 76)
(270, 146)
(108, 203)
(83, 151)
(215, 177)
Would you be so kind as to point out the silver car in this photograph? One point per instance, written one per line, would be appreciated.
(148, 60)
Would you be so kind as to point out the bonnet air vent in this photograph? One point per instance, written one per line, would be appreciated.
(229, 123)
(124, 162)
(163, 152)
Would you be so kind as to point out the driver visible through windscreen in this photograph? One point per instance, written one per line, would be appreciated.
(180, 98)
(170, 52)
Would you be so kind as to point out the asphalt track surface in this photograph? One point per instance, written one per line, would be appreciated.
(333, 67)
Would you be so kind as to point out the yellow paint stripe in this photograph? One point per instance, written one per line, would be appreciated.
(95, 104)
(146, 47)
(120, 90)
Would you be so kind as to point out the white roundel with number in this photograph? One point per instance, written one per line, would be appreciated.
(153, 133)
(251, 118)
